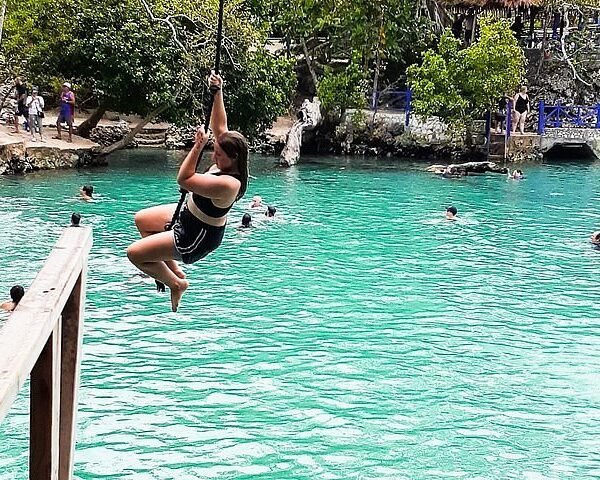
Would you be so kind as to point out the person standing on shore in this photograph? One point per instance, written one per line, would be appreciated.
(20, 97)
(521, 108)
(35, 104)
(67, 111)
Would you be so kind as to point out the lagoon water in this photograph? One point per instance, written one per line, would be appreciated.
(358, 336)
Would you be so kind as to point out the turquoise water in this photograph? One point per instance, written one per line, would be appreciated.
(359, 336)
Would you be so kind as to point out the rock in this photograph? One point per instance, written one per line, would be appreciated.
(309, 117)
(179, 138)
(106, 135)
(16, 159)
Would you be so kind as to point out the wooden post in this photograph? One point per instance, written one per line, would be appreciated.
(72, 335)
(44, 415)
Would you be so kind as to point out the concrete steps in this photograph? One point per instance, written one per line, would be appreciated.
(497, 149)
(151, 137)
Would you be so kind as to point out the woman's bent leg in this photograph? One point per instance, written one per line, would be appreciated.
(150, 254)
(151, 221)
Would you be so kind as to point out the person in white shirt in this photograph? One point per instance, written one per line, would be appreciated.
(35, 104)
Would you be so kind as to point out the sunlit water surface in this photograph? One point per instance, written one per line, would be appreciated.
(360, 335)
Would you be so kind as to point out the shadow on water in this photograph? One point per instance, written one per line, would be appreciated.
(575, 153)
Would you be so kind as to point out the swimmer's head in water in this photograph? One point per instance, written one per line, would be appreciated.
(88, 190)
(451, 210)
(246, 220)
(270, 211)
(596, 237)
(256, 200)
(75, 219)
(16, 294)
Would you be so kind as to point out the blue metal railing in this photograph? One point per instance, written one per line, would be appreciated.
(398, 100)
(563, 116)
(509, 119)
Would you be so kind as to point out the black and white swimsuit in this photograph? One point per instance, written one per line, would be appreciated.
(195, 239)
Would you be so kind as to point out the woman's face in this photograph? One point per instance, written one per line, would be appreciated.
(221, 159)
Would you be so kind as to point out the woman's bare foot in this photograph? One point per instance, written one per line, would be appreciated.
(174, 267)
(177, 292)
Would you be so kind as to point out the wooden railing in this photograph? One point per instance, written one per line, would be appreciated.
(43, 337)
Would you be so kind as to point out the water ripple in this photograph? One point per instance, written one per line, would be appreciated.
(361, 335)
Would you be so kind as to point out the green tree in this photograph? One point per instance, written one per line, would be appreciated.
(335, 37)
(462, 84)
(150, 57)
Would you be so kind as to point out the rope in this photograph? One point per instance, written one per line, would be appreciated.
(213, 90)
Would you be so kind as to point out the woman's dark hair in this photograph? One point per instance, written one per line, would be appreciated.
(270, 211)
(16, 293)
(234, 144)
(75, 219)
(88, 190)
(453, 210)
(246, 219)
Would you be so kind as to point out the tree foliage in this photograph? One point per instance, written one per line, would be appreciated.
(457, 84)
(343, 36)
(341, 90)
(122, 59)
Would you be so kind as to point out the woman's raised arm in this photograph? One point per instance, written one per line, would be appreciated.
(218, 118)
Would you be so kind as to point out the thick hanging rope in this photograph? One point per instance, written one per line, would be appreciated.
(213, 90)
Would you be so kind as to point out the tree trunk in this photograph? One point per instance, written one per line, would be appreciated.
(309, 64)
(469, 133)
(377, 67)
(2, 14)
(544, 44)
(88, 125)
(126, 140)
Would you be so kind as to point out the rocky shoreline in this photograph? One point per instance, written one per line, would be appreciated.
(19, 157)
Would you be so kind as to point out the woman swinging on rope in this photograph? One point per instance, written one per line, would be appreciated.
(199, 227)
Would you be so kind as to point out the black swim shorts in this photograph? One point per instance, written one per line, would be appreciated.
(195, 239)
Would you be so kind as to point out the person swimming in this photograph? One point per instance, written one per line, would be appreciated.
(87, 192)
(595, 239)
(515, 175)
(16, 294)
(75, 219)
(451, 213)
(270, 212)
(256, 202)
(246, 222)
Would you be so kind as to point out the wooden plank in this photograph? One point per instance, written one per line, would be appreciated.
(26, 332)
(44, 411)
(71, 350)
